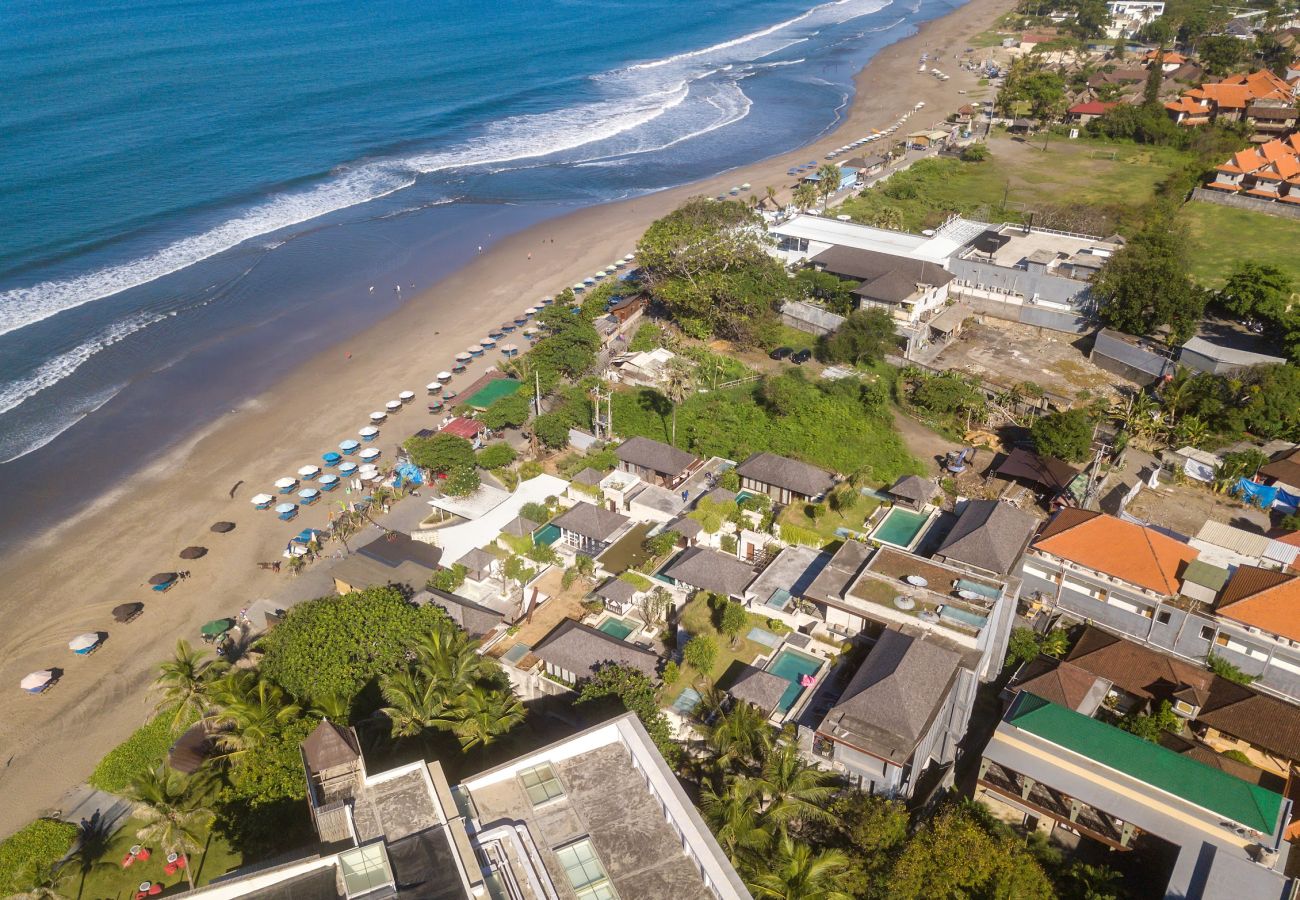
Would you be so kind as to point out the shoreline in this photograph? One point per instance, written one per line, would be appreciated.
(66, 580)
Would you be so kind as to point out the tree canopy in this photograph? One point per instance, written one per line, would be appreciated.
(636, 693)
(507, 412)
(1065, 434)
(865, 337)
(441, 453)
(1146, 286)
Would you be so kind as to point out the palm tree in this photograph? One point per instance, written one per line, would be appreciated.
(734, 822)
(174, 812)
(797, 873)
(1191, 431)
(805, 195)
(740, 739)
(185, 682)
(45, 884)
(449, 657)
(478, 716)
(250, 710)
(415, 704)
(888, 217)
(93, 840)
(788, 790)
(771, 195)
(335, 707)
(679, 377)
(829, 183)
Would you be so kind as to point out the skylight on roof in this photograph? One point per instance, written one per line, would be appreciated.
(542, 784)
(365, 869)
(585, 872)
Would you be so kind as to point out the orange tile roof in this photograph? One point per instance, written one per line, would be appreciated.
(1114, 547)
(1224, 186)
(1265, 599)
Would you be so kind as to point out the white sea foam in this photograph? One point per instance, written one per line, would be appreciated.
(17, 443)
(52, 371)
(638, 96)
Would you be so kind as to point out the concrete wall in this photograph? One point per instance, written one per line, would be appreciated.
(1191, 634)
(1240, 201)
(1016, 310)
(1034, 284)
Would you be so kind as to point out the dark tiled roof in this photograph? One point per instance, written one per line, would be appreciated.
(617, 589)
(654, 455)
(1048, 471)
(520, 526)
(1284, 466)
(763, 689)
(869, 265)
(791, 474)
(1133, 668)
(395, 548)
(1063, 683)
(591, 521)
(473, 618)
(712, 571)
(581, 649)
(1256, 718)
(478, 561)
(989, 535)
(914, 488)
(330, 746)
(894, 697)
(589, 477)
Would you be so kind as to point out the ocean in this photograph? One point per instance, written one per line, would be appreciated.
(195, 195)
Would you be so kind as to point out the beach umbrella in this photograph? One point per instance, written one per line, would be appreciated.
(331, 458)
(916, 580)
(309, 471)
(368, 432)
(328, 482)
(433, 387)
(406, 396)
(222, 527)
(579, 288)
(474, 350)
(530, 311)
(370, 453)
(309, 493)
(450, 395)
(444, 377)
(504, 328)
(37, 681)
(509, 349)
(599, 275)
(629, 257)
(194, 552)
(547, 301)
(216, 627)
(125, 612)
(349, 446)
(347, 468)
(262, 499)
(378, 416)
(285, 484)
(393, 405)
(163, 578)
(283, 508)
(487, 342)
(462, 357)
(83, 642)
(745, 186)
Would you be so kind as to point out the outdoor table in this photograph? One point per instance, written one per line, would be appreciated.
(144, 886)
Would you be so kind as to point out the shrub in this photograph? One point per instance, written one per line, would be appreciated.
(142, 751)
(594, 606)
(32, 851)
(671, 672)
(975, 153)
(730, 480)
(529, 469)
(661, 543)
(1022, 646)
(461, 482)
(535, 512)
(1224, 669)
(448, 579)
(1237, 756)
(637, 580)
(496, 456)
(701, 652)
(729, 544)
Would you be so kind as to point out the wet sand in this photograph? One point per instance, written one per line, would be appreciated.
(67, 580)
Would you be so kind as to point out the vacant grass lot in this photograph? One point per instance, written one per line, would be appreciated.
(1221, 235)
(1113, 181)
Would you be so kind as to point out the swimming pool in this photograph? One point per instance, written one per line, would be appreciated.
(900, 527)
(548, 534)
(791, 666)
(742, 496)
(619, 628)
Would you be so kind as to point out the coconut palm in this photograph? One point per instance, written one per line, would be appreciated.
(174, 812)
(414, 701)
(250, 710)
(735, 823)
(679, 378)
(1191, 431)
(829, 183)
(797, 873)
(805, 195)
(888, 217)
(788, 790)
(449, 657)
(770, 193)
(185, 682)
(46, 884)
(740, 739)
(480, 715)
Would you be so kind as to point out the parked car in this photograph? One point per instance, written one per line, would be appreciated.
(781, 353)
(801, 357)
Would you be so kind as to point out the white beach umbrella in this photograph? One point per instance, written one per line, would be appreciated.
(308, 493)
(530, 311)
(444, 376)
(285, 507)
(369, 453)
(286, 482)
(433, 386)
(406, 396)
(368, 431)
(529, 332)
(347, 468)
(378, 416)
(83, 641)
(629, 257)
(261, 499)
(36, 680)
(487, 342)
(473, 349)
(309, 471)
(393, 405)
(579, 287)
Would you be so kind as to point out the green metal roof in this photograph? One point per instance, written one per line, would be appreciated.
(1192, 781)
(492, 391)
(1206, 575)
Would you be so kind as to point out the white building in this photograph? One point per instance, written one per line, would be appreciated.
(1127, 17)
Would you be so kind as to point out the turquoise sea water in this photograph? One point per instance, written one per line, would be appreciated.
(180, 174)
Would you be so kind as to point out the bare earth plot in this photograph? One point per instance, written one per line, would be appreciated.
(1186, 507)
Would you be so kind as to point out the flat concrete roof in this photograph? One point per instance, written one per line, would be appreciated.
(865, 237)
(1037, 243)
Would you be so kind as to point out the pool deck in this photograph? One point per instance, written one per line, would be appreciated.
(930, 513)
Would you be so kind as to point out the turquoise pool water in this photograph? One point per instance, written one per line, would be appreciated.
(791, 666)
(618, 628)
(900, 527)
(548, 534)
(745, 495)
(961, 615)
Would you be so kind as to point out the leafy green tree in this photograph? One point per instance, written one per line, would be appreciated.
(1225, 669)
(1022, 646)
(876, 829)
(496, 456)
(185, 683)
(441, 453)
(975, 153)
(173, 812)
(448, 579)
(261, 806)
(536, 512)
(461, 481)
(834, 292)
(1257, 289)
(1065, 434)
(865, 337)
(947, 393)
(734, 620)
(1222, 54)
(701, 652)
(1030, 84)
(507, 412)
(1146, 285)
(1056, 643)
(634, 692)
(805, 195)
(333, 646)
(1150, 727)
(797, 872)
(552, 429)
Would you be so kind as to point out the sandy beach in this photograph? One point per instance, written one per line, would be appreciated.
(66, 581)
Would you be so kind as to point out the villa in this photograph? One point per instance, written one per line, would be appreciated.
(588, 529)
(655, 462)
(708, 570)
(899, 713)
(909, 290)
(784, 480)
(574, 651)
(989, 537)
(475, 619)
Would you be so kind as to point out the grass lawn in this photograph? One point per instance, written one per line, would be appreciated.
(1221, 235)
(110, 880)
(1114, 180)
(697, 618)
(825, 526)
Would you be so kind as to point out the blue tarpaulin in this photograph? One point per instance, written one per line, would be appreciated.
(408, 473)
(1253, 494)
